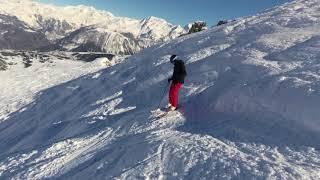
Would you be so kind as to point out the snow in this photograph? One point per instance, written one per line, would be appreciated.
(249, 108)
(19, 85)
(25, 9)
(88, 29)
(82, 16)
(3, 32)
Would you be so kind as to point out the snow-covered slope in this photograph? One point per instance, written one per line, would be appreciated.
(80, 25)
(249, 109)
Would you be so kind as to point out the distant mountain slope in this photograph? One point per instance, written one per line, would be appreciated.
(249, 108)
(87, 29)
(15, 34)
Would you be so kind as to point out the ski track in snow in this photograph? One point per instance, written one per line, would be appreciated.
(249, 108)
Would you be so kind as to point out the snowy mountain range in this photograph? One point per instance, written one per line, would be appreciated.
(15, 34)
(78, 28)
(249, 107)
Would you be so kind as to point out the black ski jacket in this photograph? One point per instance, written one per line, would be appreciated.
(179, 72)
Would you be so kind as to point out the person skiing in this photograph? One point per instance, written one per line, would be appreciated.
(179, 74)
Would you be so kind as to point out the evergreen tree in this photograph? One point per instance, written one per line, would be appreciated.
(197, 27)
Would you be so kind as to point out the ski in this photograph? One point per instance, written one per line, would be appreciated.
(161, 112)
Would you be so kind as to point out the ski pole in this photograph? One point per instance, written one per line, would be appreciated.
(164, 92)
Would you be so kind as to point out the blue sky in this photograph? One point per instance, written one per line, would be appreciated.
(177, 11)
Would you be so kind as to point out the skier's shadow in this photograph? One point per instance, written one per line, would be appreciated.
(257, 127)
(261, 127)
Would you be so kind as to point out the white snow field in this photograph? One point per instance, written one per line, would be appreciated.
(250, 108)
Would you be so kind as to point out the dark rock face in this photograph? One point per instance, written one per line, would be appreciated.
(3, 65)
(88, 47)
(14, 34)
(88, 57)
(221, 22)
(197, 27)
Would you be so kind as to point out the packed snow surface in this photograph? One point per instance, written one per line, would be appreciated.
(249, 108)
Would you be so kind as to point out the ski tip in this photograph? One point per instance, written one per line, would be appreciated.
(156, 110)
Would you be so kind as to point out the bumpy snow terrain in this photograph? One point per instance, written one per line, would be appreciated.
(82, 28)
(250, 108)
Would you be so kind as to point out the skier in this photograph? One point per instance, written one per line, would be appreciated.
(179, 73)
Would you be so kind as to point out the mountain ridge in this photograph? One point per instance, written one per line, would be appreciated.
(58, 23)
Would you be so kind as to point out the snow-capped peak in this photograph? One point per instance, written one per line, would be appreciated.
(113, 34)
(26, 10)
(152, 18)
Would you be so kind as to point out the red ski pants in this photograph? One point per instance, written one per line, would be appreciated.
(174, 93)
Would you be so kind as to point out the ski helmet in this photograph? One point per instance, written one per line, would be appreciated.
(172, 58)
